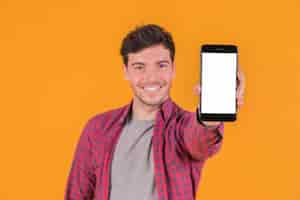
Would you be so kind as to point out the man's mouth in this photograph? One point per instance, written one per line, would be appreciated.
(152, 88)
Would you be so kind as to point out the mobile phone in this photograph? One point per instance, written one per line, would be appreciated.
(218, 82)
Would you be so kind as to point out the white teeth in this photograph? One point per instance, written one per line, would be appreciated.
(151, 88)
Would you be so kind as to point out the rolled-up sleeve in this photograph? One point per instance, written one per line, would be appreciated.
(81, 179)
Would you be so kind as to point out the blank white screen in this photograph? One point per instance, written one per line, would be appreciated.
(218, 89)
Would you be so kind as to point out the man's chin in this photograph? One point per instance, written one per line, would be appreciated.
(153, 102)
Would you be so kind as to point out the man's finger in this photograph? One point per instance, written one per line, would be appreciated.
(197, 89)
(241, 83)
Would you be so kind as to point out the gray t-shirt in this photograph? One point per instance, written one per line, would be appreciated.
(132, 173)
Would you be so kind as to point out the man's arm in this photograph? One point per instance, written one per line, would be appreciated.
(81, 180)
(201, 141)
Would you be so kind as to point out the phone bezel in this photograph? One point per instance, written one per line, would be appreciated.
(217, 48)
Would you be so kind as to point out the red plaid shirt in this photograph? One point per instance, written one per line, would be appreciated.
(180, 148)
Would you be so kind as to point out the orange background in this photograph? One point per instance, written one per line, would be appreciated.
(60, 65)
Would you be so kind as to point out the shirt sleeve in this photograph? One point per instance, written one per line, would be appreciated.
(81, 179)
(200, 141)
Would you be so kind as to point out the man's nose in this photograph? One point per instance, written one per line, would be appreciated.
(152, 75)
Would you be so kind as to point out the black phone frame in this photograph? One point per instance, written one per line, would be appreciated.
(217, 48)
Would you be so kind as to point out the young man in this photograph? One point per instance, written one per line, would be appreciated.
(150, 149)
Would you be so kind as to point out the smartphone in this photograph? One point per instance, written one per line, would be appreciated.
(218, 82)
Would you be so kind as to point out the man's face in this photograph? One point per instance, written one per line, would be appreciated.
(150, 73)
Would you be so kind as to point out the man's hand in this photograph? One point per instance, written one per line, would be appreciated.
(240, 94)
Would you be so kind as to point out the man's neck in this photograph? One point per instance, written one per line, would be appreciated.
(141, 111)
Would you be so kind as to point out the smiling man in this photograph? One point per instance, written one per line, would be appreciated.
(150, 149)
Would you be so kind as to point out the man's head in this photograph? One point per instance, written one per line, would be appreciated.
(148, 56)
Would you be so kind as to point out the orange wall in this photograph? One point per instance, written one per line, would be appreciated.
(60, 65)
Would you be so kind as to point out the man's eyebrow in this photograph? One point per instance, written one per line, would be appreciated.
(163, 61)
(138, 63)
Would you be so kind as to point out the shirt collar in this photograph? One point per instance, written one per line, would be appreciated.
(165, 111)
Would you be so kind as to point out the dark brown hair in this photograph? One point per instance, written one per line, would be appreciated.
(146, 36)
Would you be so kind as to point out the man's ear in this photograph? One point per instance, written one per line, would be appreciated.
(125, 71)
(174, 70)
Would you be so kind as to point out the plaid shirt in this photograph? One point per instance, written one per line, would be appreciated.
(180, 145)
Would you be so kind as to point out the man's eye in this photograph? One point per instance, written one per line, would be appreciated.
(162, 65)
(139, 67)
